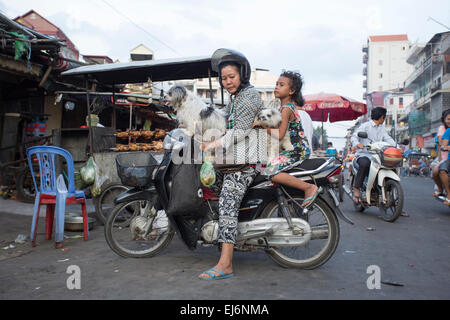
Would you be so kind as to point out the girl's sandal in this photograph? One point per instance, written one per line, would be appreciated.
(309, 201)
(356, 199)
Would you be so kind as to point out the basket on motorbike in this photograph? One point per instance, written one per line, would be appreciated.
(135, 169)
(391, 157)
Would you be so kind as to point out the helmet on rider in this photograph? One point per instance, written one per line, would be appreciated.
(224, 57)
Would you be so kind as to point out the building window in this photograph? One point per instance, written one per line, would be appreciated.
(400, 101)
(380, 62)
(391, 101)
(380, 88)
(381, 76)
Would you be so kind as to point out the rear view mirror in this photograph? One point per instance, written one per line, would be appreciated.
(405, 142)
(363, 135)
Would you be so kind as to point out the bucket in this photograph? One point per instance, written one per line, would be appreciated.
(74, 222)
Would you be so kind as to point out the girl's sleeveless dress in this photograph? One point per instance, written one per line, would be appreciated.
(287, 159)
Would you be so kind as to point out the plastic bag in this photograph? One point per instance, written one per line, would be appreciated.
(88, 172)
(96, 188)
(207, 174)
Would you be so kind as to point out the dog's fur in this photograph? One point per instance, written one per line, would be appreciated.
(192, 110)
(271, 118)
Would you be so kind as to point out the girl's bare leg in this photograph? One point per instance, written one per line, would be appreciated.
(290, 181)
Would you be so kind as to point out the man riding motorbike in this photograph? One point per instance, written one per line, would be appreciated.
(376, 132)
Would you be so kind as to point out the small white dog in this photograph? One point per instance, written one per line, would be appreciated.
(271, 118)
(192, 111)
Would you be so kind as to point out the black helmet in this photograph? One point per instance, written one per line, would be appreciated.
(222, 56)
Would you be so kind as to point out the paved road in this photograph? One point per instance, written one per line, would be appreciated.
(413, 252)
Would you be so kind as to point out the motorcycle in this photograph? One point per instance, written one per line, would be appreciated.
(382, 188)
(442, 197)
(271, 218)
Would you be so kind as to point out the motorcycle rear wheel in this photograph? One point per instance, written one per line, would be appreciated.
(119, 234)
(316, 252)
(25, 186)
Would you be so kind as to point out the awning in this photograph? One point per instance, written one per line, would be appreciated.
(141, 71)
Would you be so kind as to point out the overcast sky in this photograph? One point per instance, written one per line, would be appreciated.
(321, 39)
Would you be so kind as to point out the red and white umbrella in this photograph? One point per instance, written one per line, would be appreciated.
(333, 107)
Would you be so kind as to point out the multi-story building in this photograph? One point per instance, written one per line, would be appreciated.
(385, 65)
(397, 103)
(431, 86)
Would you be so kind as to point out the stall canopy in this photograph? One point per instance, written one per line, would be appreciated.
(142, 71)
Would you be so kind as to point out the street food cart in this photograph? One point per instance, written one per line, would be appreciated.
(144, 134)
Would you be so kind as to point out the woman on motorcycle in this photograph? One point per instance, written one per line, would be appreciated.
(245, 103)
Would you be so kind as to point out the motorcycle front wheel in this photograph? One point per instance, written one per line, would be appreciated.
(133, 231)
(320, 248)
(394, 195)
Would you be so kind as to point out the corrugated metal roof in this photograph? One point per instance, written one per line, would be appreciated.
(141, 71)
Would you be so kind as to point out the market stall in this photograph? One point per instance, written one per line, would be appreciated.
(140, 118)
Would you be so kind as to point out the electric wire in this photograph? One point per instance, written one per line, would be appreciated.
(140, 28)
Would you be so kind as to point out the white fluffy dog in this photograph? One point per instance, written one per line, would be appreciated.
(192, 111)
(271, 118)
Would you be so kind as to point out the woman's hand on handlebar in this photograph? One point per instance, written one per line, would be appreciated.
(360, 146)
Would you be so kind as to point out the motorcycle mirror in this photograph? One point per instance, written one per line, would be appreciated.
(405, 142)
(363, 135)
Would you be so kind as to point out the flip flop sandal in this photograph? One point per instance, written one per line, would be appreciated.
(213, 276)
(447, 202)
(437, 194)
(305, 204)
(358, 199)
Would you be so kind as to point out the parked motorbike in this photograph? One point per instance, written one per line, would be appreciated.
(271, 218)
(382, 188)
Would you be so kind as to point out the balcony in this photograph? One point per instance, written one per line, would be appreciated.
(417, 74)
(365, 84)
(365, 59)
(437, 86)
(424, 71)
(365, 48)
(365, 71)
(445, 45)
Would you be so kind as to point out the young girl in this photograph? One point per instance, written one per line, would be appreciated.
(288, 90)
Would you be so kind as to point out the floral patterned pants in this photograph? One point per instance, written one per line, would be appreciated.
(234, 187)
